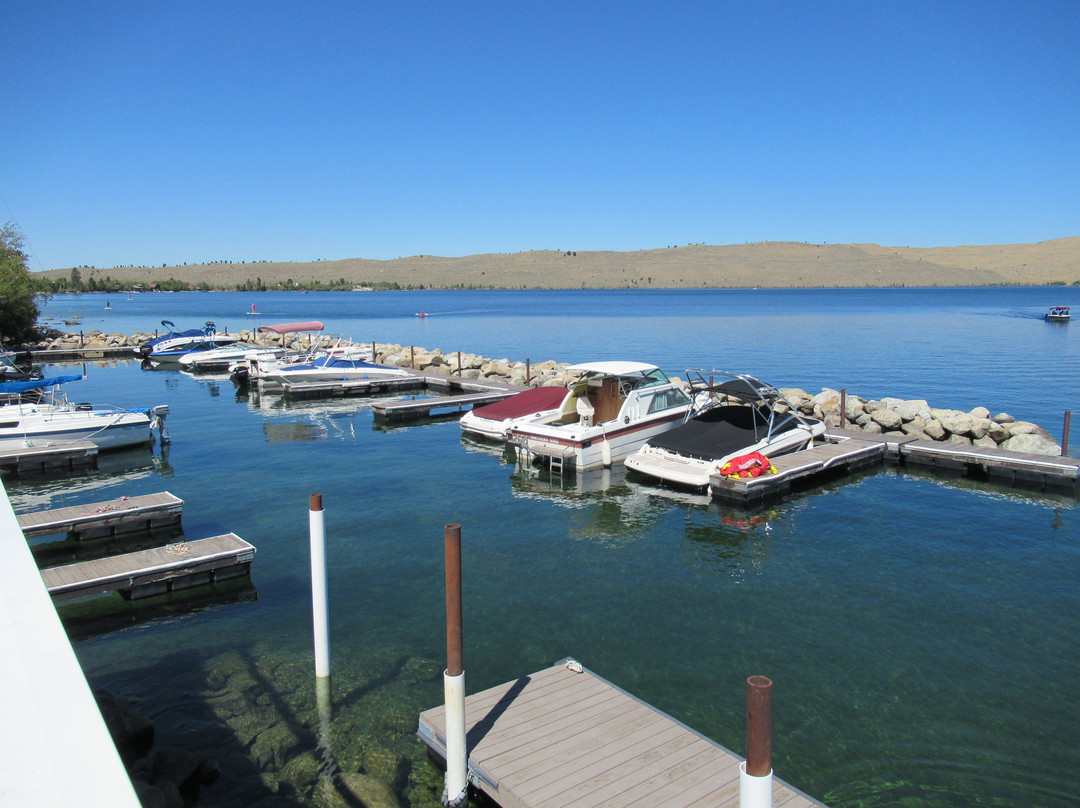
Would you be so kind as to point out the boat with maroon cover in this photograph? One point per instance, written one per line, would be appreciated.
(537, 405)
(608, 413)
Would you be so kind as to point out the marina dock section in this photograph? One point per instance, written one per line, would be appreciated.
(847, 451)
(124, 515)
(145, 573)
(566, 737)
(49, 459)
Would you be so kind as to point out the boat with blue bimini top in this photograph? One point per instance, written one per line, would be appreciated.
(171, 346)
(617, 406)
(737, 424)
(37, 413)
(1058, 314)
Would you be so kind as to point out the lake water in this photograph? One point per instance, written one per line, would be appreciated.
(921, 630)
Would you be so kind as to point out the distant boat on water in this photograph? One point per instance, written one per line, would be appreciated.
(1058, 314)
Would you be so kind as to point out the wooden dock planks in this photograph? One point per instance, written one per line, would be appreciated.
(934, 453)
(40, 459)
(123, 515)
(848, 453)
(353, 387)
(574, 740)
(137, 571)
(422, 407)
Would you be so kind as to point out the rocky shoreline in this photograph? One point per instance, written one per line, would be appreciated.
(914, 418)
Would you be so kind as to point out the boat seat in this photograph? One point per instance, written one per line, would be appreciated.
(585, 410)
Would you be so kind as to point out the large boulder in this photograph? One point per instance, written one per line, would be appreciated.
(889, 420)
(910, 410)
(954, 421)
(1032, 444)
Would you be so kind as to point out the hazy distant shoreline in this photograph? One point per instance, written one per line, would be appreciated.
(762, 264)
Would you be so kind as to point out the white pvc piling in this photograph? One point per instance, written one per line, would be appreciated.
(319, 600)
(455, 791)
(754, 792)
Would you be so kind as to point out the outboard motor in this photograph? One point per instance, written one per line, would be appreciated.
(159, 412)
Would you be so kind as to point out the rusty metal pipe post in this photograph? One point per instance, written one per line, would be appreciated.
(459, 363)
(843, 408)
(1065, 433)
(456, 788)
(528, 370)
(454, 661)
(755, 773)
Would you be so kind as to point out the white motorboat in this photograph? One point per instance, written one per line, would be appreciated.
(1058, 314)
(537, 405)
(736, 425)
(173, 345)
(225, 356)
(617, 407)
(337, 365)
(253, 363)
(34, 416)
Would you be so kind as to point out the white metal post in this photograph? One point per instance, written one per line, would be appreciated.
(319, 605)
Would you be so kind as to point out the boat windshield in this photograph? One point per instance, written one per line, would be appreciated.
(654, 377)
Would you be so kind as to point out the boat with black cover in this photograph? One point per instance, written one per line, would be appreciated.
(736, 424)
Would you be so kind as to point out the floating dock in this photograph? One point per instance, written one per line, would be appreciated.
(424, 407)
(351, 387)
(565, 736)
(79, 354)
(847, 451)
(124, 515)
(44, 459)
(145, 573)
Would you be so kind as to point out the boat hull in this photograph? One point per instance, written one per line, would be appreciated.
(107, 429)
(595, 447)
(692, 472)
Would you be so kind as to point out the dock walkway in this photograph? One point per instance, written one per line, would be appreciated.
(151, 572)
(574, 740)
(123, 515)
(43, 459)
(850, 450)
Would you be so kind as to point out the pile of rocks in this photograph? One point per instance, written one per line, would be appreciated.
(886, 416)
(917, 419)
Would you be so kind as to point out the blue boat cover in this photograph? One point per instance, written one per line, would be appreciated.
(36, 384)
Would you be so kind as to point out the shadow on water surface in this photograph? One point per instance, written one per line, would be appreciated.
(255, 718)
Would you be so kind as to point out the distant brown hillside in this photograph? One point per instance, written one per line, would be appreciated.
(763, 264)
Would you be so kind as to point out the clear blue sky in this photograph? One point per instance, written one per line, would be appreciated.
(155, 132)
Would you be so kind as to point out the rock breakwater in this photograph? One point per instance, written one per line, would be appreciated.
(914, 418)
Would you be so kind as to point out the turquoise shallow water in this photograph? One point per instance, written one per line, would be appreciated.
(920, 630)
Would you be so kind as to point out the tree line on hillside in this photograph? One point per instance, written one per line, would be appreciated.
(75, 283)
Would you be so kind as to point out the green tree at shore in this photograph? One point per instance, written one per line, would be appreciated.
(19, 290)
